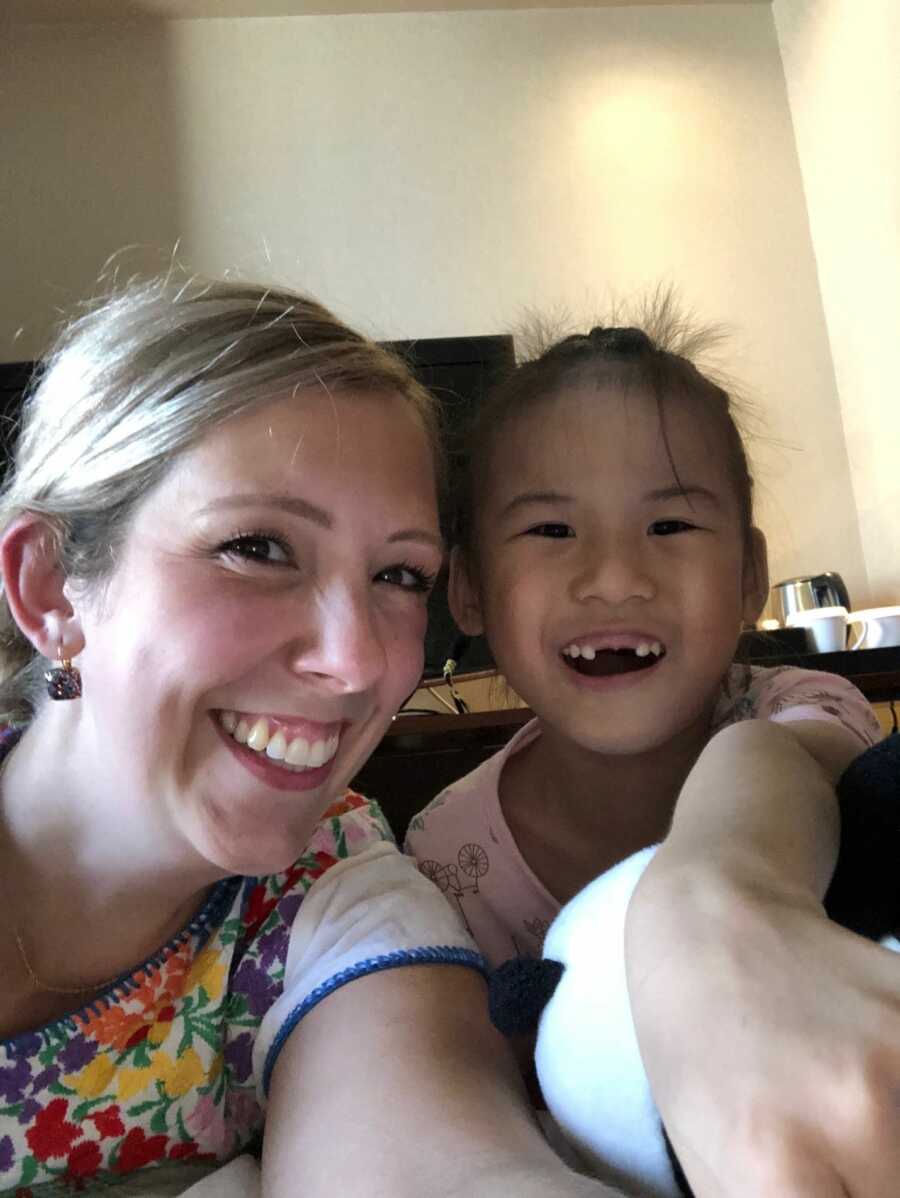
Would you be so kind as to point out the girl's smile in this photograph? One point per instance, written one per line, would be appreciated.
(613, 655)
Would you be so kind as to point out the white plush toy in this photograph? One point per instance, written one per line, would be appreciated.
(587, 1057)
(586, 1031)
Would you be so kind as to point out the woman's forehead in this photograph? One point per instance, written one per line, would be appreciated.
(339, 444)
(302, 426)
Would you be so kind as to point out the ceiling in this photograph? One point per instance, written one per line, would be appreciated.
(104, 10)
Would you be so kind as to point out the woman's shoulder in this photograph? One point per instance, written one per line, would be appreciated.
(350, 827)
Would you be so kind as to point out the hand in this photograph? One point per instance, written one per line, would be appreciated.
(771, 1038)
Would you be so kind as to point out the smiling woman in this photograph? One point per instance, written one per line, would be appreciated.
(222, 527)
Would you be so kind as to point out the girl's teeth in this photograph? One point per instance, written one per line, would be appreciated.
(241, 732)
(277, 746)
(588, 652)
(228, 721)
(259, 735)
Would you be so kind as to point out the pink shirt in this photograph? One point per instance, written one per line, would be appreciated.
(462, 841)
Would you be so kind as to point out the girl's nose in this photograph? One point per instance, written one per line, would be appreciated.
(612, 573)
(345, 649)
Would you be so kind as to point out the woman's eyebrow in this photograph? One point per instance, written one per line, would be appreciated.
(417, 534)
(689, 491)
(315, 514)
(286, 503)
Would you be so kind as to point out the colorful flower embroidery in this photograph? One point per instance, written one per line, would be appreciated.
(161, 1068)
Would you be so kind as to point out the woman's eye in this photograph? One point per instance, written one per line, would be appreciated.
(257, 547)
(554, 531)
(668, 528)
(407, 578)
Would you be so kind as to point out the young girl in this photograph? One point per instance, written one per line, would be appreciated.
(607, 549)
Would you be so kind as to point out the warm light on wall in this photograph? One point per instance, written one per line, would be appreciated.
(635, 128)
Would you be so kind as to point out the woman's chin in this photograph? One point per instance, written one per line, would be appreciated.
(253, 859)
(253, 842)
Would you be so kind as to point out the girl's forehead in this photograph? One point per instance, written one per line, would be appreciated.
(599, 428)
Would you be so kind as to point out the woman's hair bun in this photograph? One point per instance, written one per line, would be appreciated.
(620, 341)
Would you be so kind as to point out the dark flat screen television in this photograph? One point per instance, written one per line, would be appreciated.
(14, 378)
(458, 371)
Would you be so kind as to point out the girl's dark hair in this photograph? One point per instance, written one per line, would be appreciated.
(655, 359)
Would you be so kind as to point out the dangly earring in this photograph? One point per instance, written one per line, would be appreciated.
(64, 680)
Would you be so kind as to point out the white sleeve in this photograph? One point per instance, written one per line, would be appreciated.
(367, 913)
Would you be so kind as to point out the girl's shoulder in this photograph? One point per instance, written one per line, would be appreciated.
(470, 797)
(785, 693)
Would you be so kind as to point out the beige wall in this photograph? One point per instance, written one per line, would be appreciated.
(437, 173)
(86, 129)
(842, 65)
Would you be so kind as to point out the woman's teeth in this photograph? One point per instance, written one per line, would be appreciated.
(297, 753)
(588, 652)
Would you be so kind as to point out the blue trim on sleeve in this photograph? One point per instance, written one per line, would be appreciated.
(438, 955)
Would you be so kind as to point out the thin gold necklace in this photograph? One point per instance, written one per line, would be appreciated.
(39, 983)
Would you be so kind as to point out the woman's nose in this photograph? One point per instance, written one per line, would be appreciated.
(612, 572)
(346, 648)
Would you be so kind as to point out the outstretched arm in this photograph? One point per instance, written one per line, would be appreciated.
(396, 1086)
(760, 806)
(771, 1036)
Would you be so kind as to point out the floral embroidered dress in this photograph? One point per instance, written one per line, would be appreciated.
(172, 1063)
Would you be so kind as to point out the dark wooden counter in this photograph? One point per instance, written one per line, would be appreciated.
(421, 754)
(875, 671)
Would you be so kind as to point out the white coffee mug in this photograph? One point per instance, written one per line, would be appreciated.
(879, 627)
(826, 628)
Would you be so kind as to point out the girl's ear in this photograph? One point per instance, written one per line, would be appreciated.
(35, 588)
(755, 581)
(463, 596)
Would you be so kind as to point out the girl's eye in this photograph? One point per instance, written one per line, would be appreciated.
(261, 547)
(407, 578)
(554, 531)
(668, 528)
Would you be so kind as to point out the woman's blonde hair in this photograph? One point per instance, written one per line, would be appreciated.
(136, 380)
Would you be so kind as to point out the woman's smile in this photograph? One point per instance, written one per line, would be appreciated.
(293, 765)
(298, 745)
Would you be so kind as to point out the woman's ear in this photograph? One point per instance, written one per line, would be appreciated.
(755, 581)
(35, 588)
(463, 596)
